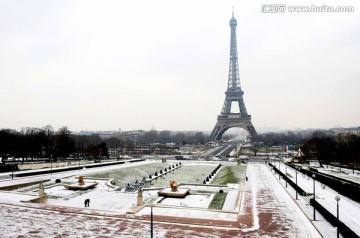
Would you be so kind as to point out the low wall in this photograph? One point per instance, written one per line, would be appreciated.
(344, 187)
(42, 199)
(343, 229)
(54, 164)
(292, 184)
(12, 187)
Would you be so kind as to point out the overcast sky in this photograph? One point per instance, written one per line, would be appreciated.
(105, 65)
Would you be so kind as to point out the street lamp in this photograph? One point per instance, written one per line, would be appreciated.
(314, 194)
(279, 167)
(151, 217)
(296, 184)
(286, 178)
(337, 198)
(354, 167)
(12, 169)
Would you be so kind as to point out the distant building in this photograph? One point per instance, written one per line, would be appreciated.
(111, 133)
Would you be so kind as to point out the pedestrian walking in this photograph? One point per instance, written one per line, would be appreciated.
(87, 202)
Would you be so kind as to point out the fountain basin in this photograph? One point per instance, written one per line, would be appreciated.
(81, 186)
(180, 193)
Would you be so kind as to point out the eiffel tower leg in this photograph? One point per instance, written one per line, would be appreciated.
(252, 132)
(214, 133)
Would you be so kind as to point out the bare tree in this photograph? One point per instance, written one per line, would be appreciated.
(64, 144)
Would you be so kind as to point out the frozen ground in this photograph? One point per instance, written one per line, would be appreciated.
(104, 197)
(7, 181)
(349, 209)
(273, 207)
(125, 175)
(264, 209)
(347, 174)
(188, 173)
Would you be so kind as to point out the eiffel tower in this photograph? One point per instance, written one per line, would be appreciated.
(226, 119)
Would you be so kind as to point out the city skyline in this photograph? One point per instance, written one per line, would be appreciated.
(92, 65)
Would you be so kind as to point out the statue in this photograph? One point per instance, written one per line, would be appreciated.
(81, 179)
(42, 195)
(41, 190)
(173, 185)
(140, 198)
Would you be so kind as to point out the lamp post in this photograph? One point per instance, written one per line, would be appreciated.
(279, 167)
(337, 198)
(296, 188)
(286, 176)
(151, 217)
(314, 194)
(354, 167)
(12, 169)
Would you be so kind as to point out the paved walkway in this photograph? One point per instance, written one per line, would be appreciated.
(349, 209)
(275, 213)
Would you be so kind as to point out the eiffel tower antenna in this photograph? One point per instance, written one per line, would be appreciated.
(227, 119)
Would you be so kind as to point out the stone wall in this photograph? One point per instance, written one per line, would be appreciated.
(54, 164)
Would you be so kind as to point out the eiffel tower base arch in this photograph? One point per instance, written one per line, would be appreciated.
(223, 124)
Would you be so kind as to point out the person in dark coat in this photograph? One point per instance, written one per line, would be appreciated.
(87, 202)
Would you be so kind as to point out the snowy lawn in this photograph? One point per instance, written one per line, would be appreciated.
(344, 173)
(187, 173)
(230, 174)
(218, 201)
(123, 176)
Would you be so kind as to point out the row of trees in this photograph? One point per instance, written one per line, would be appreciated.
(47, 143)
(292, 138)
(325, 145)
(342, 148)
(35, 143)
(179, 138)
(30, 143)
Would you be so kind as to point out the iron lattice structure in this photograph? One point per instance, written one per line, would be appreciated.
(226, 119)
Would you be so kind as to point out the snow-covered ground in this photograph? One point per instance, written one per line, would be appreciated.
(7, 181)
(347, 174)
(270, 199)
(196, 200)
(349, 209)
(104, 197)
(264, 209)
